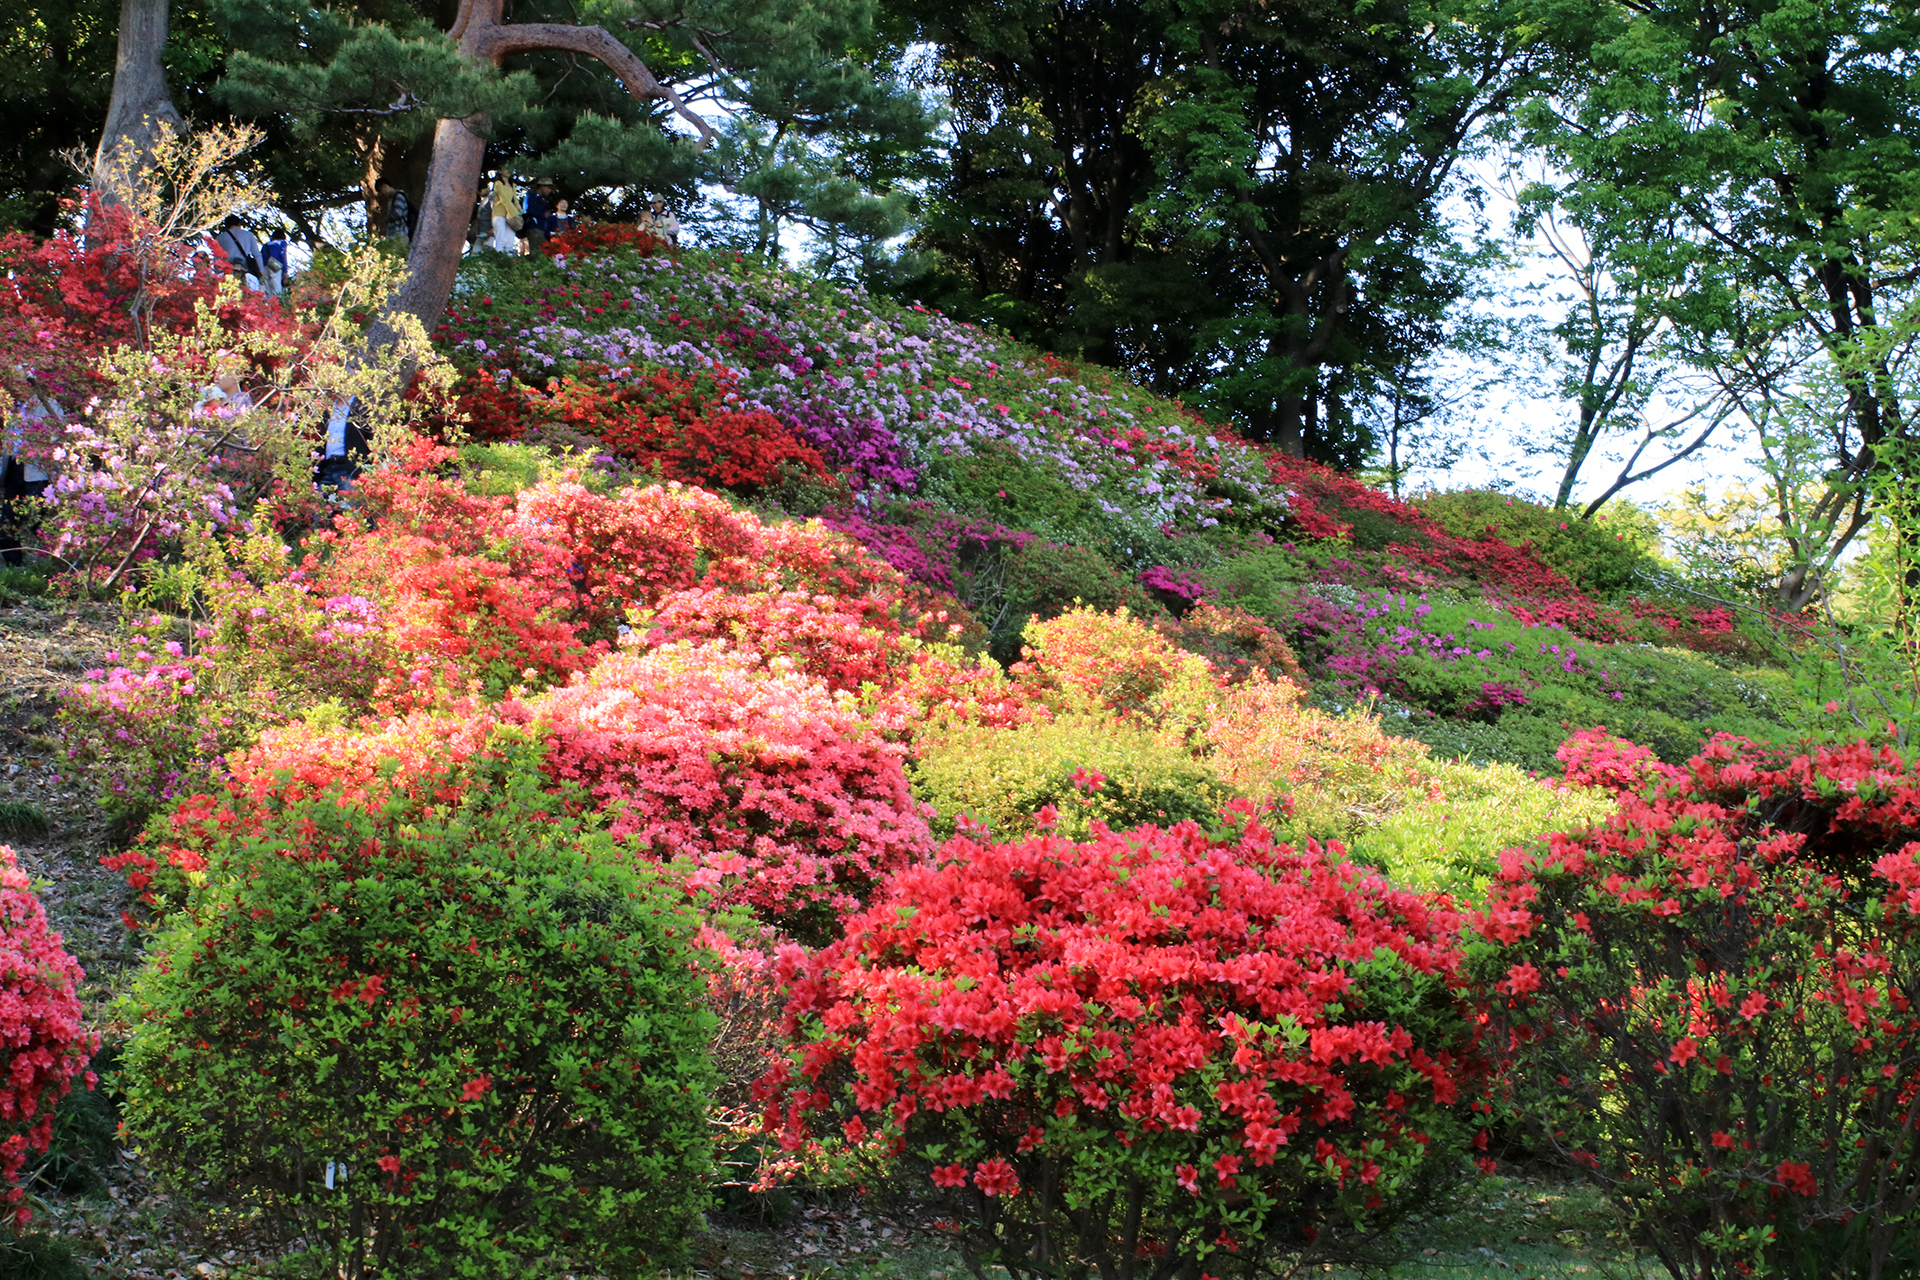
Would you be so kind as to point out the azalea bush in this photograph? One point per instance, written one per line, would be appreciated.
(1171, 1050)
(44, 1043)
(767, 784)
(1706, 1002)
(429, 1039)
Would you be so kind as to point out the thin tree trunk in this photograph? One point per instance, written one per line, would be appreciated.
(141, 106)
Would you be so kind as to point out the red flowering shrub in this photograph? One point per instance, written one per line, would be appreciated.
(767, 783)
(43, 1045)
(1164, 1047)
(600, 236)
(65, 300)
(1708, 1002)
(419, 757)
(428, 1037)
(679, 423)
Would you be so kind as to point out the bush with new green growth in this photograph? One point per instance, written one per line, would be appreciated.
(1449, 835)
(430, 1040)
(1603, 555)
(1089, 766)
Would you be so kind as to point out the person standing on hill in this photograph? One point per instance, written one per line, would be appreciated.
(506, 214)
(399, 213)
(560, 221)
(539, 206)
(273, 259)
(663, 223)
(241, 248)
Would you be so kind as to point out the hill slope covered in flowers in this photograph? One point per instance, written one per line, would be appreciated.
(1019, 483)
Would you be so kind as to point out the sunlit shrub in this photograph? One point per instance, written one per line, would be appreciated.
(1340, 773)
(1064, 773)
(1202, 1049)
(1116, 663)
(1458, 817)
(434, 1038)
(1708, 1002)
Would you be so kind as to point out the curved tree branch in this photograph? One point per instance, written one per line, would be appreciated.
(496, 42)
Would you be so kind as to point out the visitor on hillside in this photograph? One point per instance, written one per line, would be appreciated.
(273, 260)
(539, 209)
(506, 215)
(346, 445)
(398, 212)
(480, 231)
(665, 225)
(20, 483)
(560, 221)
(241, 248)
(224, 397)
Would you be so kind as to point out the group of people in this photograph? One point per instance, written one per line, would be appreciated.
(508, 224)
(261, 265)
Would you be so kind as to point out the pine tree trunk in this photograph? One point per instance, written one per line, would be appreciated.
(141, 106)
(460, 147)
(446, 211)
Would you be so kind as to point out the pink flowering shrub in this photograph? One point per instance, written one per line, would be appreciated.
(1169, 1049)
(44, 1047)
(1707, 1003)
(156, 722)
(764, 781)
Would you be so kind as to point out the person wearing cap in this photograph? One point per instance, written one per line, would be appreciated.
(664, 224)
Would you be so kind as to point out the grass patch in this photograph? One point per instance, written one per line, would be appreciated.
(21, 820)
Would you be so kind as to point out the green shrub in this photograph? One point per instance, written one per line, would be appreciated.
(501, 469)
(481, 1015)
(19, 583)
(22, 819)
(39, 1256)
(1089, 766)
(1604, 554)
(1450, 836)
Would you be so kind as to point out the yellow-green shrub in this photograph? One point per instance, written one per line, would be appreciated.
(1449, 835)
(1343, 773)
(1089, 765)
(1085, 660)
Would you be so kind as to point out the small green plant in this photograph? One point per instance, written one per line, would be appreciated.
(430, 1039)
(39, 1256)
(22, 819)
(20, 583)
(1450, 835)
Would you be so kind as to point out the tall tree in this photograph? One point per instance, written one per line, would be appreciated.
(141, 108)
(427, 96)
(1236, 197)
(1775, 140)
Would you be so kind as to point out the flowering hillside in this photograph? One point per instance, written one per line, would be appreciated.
(1021, 483)
(724, 697)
